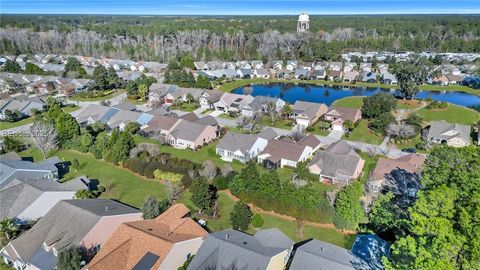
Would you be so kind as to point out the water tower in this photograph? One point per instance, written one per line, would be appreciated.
(303, 23)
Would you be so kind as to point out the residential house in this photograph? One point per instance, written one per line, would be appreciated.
(215, 74)
(245, 73)
(23, 106)
(389, 78)
(306, 65)
(126, 106)
(440, 80)
(229, 65)
(163, 243)
(191, 117)
(320, 65)
(350, 76)
(456, 135)
(335, 66)
(338, 115)
(382, 68)
(335, 75)
(243, 64)
(411, 163)
(160, 124)
(268, 134)
(231, 249)
(261, 73)
(241, 147)
(366, 254)
(27, 170)
(95, 113)
(365, 67)
(307, 113)
(301, 74)
(257, 64)
(144, 119)
(122, 118)
(230, 102)
(208, 98)
(338, 164)
(200, 65)
(27, 200)
(292, 65)
(311, 141)
(154, 67)
(277, 64)
(283, 73)
(157, 92)
(259, 103)
(370, 77)
(191, 135)
(280, 153)
(349, 67)
(317, 74)
(70, 223)
(181, 95)
(213, 65)
(454, 79)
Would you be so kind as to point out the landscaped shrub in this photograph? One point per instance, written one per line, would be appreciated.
(310, 129)
(257, 220)
(437, 105)
(167, 176)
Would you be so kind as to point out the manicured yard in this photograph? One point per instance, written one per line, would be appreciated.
(363, 134)
(187, 107)
(318, 131)
(368, 167)
(453, 114)
(289, 227)
(69, 109)
(349, 102)
(7, 125)
(111, 94)
(125, 185)
(280, 123)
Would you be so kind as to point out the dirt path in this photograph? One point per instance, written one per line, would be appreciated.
(289, 218)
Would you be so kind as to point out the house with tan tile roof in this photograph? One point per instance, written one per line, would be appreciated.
(280, 153)
(307, 113)
(164, 242)
(191, 135)
(411, 163)
(338, 115)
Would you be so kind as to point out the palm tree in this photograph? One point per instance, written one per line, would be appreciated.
(9, 228)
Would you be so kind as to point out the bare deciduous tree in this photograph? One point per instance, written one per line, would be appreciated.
(298, 133)
(174, 191)
(271, 111)
(44, 135)
(226, 169)
(400, 130)
(209, 170)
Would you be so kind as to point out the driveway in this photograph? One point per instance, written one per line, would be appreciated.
(336, 134)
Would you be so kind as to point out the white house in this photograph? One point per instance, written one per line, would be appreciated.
(241, 147)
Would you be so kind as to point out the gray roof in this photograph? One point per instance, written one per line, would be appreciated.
(186, 130)
(310, 109)
(92, 111)
(259, 101)
(207, 120)
(439, 128)
(339, 160)
(127, 106)
(237, 141)
(231, 249)
(66, 224)
(22, 169)
(268, 134)
(19, 194)
(318, 255)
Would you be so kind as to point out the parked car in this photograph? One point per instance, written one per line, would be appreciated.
(409, 150)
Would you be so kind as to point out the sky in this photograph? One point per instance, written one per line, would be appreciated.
(239, 7)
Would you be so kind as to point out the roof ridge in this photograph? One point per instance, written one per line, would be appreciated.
(107, 255)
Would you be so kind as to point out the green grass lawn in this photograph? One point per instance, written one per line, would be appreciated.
(187, 107)
(363, 134)
(453, 114)
(318, 131)
(349, 102)
(109, 96)
(7, 125)
(125, 185)
(69, 109)
(228, 87)
(280, 123)
(368, 167)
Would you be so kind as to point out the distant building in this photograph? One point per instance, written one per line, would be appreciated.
(303, 23)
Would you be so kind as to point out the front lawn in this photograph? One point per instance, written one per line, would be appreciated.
(280, 123)
(363, 134)
(187, 107)
(97, 95)
(452, 114)
(318, 131)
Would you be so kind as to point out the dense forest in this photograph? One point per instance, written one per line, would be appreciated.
(161, 38)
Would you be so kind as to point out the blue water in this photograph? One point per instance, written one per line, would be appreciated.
(328, 94)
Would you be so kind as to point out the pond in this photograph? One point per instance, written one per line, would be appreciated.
(328, 94)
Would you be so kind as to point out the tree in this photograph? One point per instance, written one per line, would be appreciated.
(348, 209)
(377, 104)
(132, 128)
(203, 195)
(143, 91)
(67, 127)
(69, 259)
(31, 68)
(411, 74)
(297, 133)
(187, 62)
(348, 124)
(175, 190)
(121, 146)
(384, 214)
(209, 170)
(72, 64)
(10, 144)
(11, 66)
(400, 130)
(241, 216)
(44, 135)
(203, 82)
(257, 221)
(85, 194)
(152, 207)
(381, 122)
(101, 145)
(324, 125)
(271, 111)
(286, 110)
(9, 228)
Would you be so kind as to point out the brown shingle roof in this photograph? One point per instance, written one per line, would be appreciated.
(160, 122)
(278, 149)
(132, 240)
(411, 163)
(345, 113)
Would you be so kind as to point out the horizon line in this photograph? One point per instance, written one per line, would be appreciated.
(257, 14)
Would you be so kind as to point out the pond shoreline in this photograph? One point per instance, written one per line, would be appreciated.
(231, 86)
